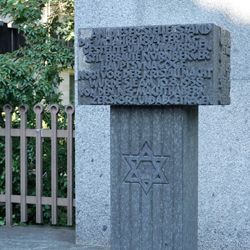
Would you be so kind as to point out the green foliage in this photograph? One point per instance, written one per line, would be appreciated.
(30, 75)
(22, 11)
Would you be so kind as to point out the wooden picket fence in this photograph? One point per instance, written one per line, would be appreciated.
(38, 133)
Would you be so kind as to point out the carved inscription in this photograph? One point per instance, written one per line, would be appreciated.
(224, 67)
(145, 168)
(153, 65)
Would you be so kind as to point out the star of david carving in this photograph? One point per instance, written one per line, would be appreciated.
(145, 168)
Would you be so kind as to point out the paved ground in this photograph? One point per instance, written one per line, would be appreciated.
(38, 237)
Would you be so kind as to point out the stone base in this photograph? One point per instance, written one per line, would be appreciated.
(154, 178)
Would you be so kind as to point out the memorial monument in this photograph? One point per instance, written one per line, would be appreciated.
(154, 78)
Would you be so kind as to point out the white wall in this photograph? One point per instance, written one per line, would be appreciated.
(224, 144)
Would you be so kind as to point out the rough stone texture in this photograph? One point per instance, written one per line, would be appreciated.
(154, 178)
(92, 176)
(224, 138)
(224, 163)
(98, 13)
(154, 65)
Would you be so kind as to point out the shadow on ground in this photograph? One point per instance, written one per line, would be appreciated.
(39, 237)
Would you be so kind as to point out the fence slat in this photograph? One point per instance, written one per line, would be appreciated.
(8, 164)
(45, 133)
(23, 160)
(8, 199)
(70, 110)
(63, 202)
(38, 109)
(54, 109)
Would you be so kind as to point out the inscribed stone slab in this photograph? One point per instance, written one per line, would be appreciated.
(154, 65)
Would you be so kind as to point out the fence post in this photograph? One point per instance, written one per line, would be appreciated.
(54, 109)
(38, 109)
(23, 160)
(70, 111)
(8, 164)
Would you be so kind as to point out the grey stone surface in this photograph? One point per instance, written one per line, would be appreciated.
(92, 176)
(115, 13)
(224, 138)
(154, 65)
(224, 163)
(40, 237)
(154, 178)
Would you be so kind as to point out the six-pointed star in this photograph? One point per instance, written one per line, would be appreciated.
(145, 168)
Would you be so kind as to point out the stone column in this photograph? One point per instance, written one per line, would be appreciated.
(154, 178)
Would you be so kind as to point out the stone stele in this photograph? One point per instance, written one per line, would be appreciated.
(154, 78)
